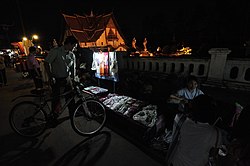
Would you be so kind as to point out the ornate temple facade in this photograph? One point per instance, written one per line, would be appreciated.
(95, 31)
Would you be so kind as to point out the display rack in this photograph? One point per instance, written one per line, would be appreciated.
(106, 67)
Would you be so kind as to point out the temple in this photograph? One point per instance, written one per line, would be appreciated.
(95, 31)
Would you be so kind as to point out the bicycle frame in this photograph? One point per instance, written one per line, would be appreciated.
(34, 96)
(87, 109)
(75, 92)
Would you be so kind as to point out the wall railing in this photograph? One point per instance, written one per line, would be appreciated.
(217, 69)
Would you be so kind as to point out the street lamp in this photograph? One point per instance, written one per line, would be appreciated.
(25, 38)
(27, 43)
(35, 37)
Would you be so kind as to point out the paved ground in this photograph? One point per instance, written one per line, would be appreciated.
(61, 145)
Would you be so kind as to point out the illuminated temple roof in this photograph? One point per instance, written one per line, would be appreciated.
(89, 28)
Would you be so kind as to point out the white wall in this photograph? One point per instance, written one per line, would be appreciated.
(217, 69)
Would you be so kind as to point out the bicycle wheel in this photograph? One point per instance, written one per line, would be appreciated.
(27, 119)
(89, 117)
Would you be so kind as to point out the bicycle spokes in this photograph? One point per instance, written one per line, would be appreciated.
(27, 119)
(87, 111)
(89, 117)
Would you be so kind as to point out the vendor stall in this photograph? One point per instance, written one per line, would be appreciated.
(105, 66)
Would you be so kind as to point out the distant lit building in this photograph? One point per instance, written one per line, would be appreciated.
(95, 31)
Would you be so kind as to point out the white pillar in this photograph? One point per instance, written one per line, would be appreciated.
(217, 64)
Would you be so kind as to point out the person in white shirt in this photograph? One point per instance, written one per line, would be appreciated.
(60, 66)
(177, 102)
(197, 135)
(189, 92)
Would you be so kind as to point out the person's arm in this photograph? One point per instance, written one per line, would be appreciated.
(51, 78)
(34, 63)
(174, 96)
(47, 69)
(48, 61)
(201, 92)
(178, 97)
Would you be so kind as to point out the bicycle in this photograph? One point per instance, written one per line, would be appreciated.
(31, 119)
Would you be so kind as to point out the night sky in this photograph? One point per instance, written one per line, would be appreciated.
(193, 23)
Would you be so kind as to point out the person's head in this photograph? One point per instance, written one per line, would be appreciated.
(32, 50)
(192, 82)
(203, 109)
(70, 43)
(54, 43)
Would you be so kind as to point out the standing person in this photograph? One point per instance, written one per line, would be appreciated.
(7, 60)
(3, 78)
(34, 69)
(60, 66)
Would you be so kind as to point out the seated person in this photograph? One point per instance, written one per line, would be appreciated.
(186, 94)
(238, 152)
(196, 135)
(176, 103)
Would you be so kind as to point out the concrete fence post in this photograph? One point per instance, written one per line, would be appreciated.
(217, 64)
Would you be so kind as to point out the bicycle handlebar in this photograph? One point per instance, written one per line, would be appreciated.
(79, 87)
